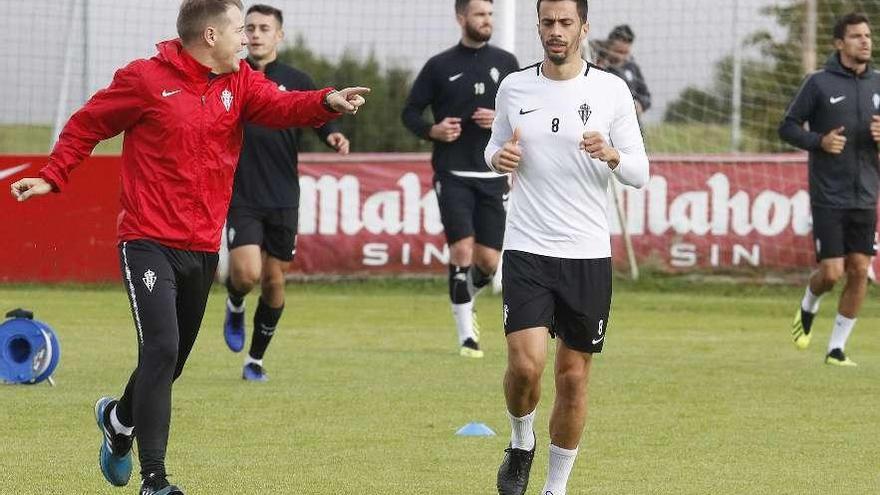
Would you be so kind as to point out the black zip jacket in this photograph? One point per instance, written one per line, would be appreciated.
(267, 175)
(828, 99)
(454, 83)
(630, 72)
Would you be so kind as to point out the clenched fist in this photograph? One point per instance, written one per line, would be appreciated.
(594, 144)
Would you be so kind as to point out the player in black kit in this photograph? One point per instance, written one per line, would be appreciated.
(459, 85)
(262, 221)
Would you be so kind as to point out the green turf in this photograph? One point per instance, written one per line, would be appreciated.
(695, 138)
(699, 391)
(36, 139)
(659, 138)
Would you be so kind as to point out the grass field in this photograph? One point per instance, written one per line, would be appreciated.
(660, 138)
(699, 391)
(35, 139)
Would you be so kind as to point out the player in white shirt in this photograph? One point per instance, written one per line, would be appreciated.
(562, 129)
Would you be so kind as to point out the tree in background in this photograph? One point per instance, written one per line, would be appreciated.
(378, 126)
(768, 82)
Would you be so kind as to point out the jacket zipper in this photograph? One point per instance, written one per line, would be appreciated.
(857, 144)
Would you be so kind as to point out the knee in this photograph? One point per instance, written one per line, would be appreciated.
(857, 273)
(461, 253)
(526, 372)
(830, 276)
(571, 385)
(160, 355)
(244, 279)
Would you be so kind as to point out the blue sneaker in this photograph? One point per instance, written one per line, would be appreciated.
(115, 456)
(233, 330)
(253, 372)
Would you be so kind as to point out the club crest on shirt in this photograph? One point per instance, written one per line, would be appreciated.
(495, 74)
(226, 98)
(584, 111)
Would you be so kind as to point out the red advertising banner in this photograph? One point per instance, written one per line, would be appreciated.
(61, 237)
(377, 214)
(721, 212)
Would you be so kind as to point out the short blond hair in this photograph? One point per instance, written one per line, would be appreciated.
(195, 15)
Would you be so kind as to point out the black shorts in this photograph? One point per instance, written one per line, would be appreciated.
(838, 232)
(570, 297)
(273, 229)
(472, 207)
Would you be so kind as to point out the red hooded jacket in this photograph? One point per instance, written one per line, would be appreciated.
(183, 134)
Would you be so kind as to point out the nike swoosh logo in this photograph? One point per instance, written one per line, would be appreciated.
(455, 77)
(166, 93)
(600, 339)
(9, 172)
(526, 112)
(837, 99)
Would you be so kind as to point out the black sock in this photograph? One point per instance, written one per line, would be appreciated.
(236, 297)
(458, 290)
(479, 279)
(265, 320)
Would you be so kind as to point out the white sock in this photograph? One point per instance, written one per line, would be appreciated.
(248, 360)
(522, 431)
(561, 462)
(233, 308)
(843, 326)
(810, 302)
(464, 321)
(118, 426)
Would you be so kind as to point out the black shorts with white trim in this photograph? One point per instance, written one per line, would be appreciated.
(273, 229)
(839, 232)
(472, 206)
(569, 297)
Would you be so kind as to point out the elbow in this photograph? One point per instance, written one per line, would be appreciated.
(782, 131)
(788, 131)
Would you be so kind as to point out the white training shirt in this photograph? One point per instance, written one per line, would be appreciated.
(559, 197)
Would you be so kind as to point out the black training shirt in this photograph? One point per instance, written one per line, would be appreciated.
(454, 83)
(267, 168)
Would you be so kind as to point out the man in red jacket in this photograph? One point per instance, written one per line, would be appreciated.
(182, 113)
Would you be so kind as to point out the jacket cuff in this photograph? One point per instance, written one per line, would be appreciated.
(326, 112)
(49, 176)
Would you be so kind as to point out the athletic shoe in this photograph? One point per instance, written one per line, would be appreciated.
(156, 484)
(253, 372)
(233, 330)
(115, 453)
(837, 358)
(470, 348)
(800, 328)
(513, 475)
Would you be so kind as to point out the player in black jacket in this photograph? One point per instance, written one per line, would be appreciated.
(621, 63)
(841, 104)
(262, 221)
(459, 85)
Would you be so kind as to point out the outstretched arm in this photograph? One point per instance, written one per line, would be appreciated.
(109, 112)
(267, 106)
